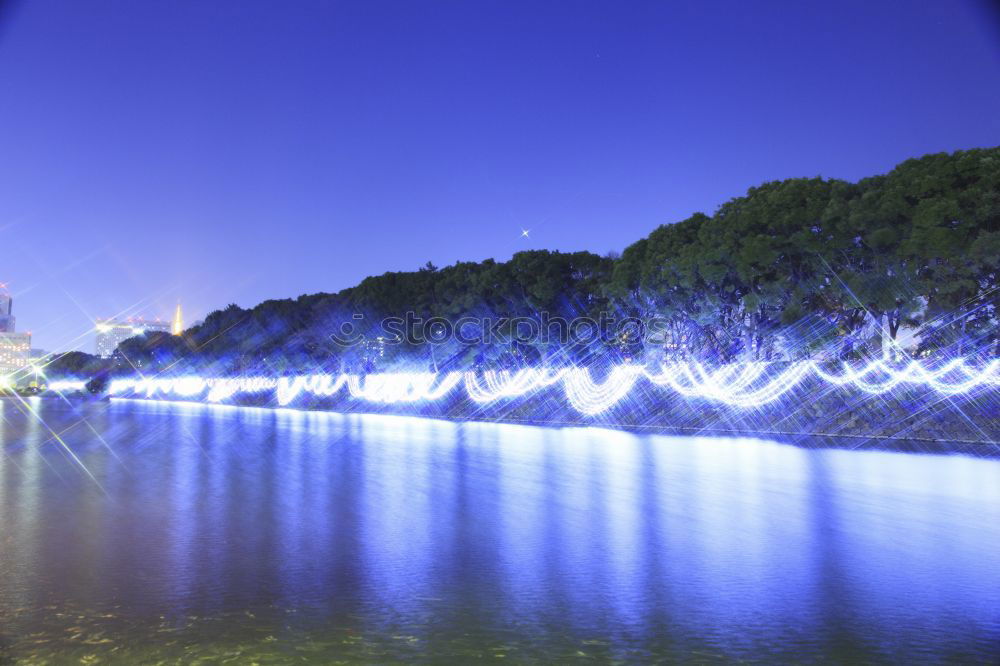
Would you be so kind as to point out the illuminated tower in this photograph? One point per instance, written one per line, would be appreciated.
(178, 326)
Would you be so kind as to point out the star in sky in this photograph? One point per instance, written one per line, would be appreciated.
(525, 233)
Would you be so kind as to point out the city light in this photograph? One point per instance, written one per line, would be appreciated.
(67, 385)
(745, 385)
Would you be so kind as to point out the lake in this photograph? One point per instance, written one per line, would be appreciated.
(139, 531)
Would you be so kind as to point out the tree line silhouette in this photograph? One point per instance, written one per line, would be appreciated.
(906, 262)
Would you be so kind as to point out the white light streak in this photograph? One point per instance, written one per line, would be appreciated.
(744, 385)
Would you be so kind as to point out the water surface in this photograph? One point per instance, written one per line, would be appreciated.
(132, 532)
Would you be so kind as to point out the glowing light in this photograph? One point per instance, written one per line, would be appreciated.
(177, 327)
(67, 385)
(589, 397)
(745, 385)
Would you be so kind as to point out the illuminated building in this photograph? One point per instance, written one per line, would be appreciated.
(15, 348)
(112, 332)
(6, 311)
(15, 351)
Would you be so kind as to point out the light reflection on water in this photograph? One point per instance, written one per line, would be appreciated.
(282, 534)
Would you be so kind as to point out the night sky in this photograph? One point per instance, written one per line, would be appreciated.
(219, 152)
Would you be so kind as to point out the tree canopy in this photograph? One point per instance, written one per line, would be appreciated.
(793, 268)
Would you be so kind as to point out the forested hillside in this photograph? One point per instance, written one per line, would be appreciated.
(794, 268)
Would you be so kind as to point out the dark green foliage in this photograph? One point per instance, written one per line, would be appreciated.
(796, 263)
(792, 267)
(75, 365)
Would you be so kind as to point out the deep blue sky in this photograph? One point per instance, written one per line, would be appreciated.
(224, 152)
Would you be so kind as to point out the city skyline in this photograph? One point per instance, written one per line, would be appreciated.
(108, 331)
(587, 128)
(174, 325)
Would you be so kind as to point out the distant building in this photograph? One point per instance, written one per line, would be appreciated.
(6, 311)
(15, 348)
(112, 332)
(15, 352)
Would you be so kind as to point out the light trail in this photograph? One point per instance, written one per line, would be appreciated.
(742, 385)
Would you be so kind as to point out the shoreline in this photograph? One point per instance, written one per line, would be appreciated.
(802, 439)
(909, 417)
